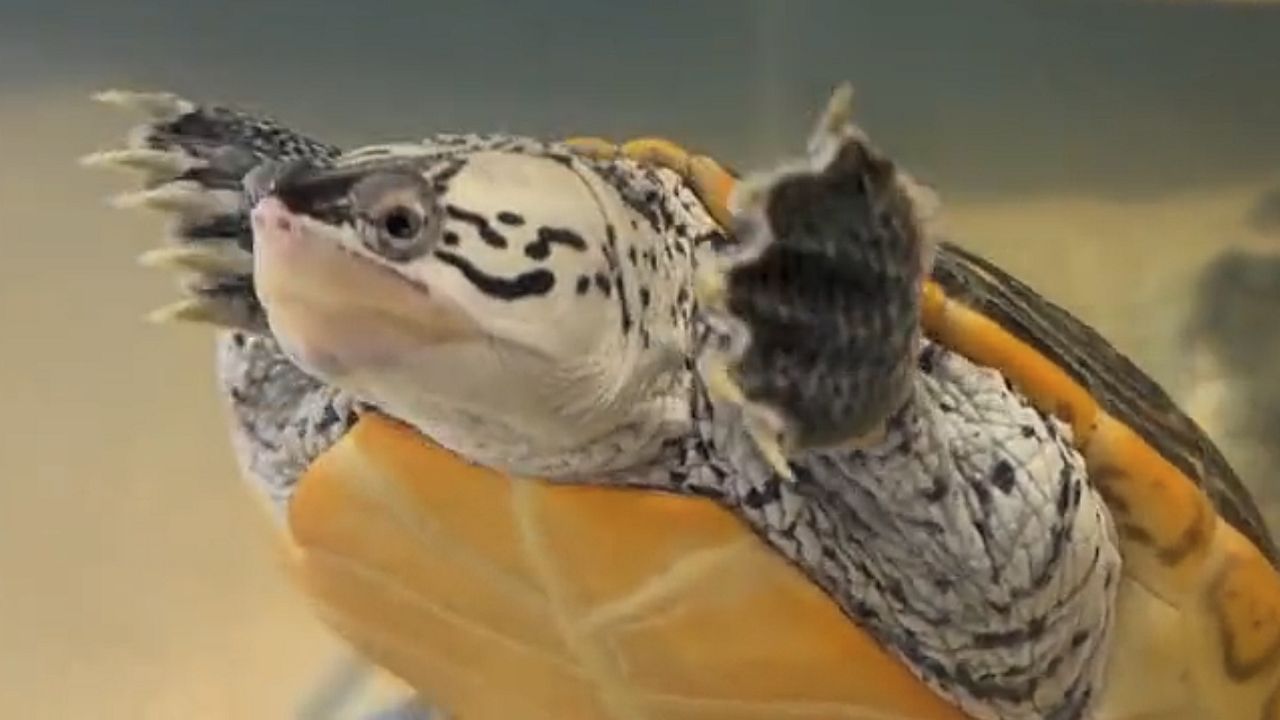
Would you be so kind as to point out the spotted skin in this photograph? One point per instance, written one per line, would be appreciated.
(967, 539)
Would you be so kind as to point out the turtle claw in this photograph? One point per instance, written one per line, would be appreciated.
(835, 129)
(768, 441)
(205, 310)
(223, 313)
(212, 260)
(186, 198)
(157, 105)
(836, 121)
(764, 427)
(155, 165)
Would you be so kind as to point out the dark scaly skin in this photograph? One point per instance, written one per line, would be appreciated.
(833, 303)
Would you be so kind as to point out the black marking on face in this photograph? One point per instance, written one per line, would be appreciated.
(492, 237)
(644, 297)
(584, 285)
(506, 217)
(602, 282)
(532, 283)
(450, 238)
(540, 249)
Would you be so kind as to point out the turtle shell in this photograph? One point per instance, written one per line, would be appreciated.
(502, 597)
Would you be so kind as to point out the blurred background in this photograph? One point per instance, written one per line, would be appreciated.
(1124, 158)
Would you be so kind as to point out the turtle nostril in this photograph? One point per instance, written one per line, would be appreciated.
(271, 214)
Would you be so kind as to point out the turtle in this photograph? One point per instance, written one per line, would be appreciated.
(570, 428)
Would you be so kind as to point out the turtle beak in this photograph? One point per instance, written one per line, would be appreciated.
(336, 311)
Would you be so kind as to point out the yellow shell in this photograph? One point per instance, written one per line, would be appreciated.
(502, 598)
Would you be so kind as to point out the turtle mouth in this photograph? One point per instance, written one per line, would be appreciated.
(336, 312)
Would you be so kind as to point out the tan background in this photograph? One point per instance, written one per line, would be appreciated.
(136, 575)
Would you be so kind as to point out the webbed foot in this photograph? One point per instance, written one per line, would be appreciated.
(819, 294)
(192, 161)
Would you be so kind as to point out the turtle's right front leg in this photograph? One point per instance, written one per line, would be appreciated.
(818, 297)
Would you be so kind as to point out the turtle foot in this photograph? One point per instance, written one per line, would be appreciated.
(192, 161)
(817, 296)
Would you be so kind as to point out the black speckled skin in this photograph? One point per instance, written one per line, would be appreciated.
(833, 302)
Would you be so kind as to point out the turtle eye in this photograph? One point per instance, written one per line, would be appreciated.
(397, 215)
(400, 224)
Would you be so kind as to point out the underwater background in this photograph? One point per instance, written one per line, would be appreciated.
(1123, 158)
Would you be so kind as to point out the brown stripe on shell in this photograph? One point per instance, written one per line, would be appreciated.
(1249, 630)
(1193, 537)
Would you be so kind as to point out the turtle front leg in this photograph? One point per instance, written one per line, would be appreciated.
(817, 299)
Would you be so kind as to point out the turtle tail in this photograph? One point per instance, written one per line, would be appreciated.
(194, 162)
(818, 296)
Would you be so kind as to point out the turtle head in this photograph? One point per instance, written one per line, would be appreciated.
(478, 296)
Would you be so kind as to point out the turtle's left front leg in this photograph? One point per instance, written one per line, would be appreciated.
(818, 297)
(815, 296)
